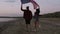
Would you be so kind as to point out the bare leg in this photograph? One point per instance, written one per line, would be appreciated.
(37, 25)
(28, 27)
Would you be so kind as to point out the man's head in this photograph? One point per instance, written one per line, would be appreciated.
(27, 7)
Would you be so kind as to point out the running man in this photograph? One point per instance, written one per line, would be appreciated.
(36, 17)
(27, 16)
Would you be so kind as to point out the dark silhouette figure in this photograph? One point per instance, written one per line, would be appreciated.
(36, 14)
(27, 16)
(36, 17)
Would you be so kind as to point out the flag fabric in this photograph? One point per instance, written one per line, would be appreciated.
(32, 1)
(25, 1)
(34, 4)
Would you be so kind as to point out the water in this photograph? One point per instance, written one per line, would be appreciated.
(6, 19)
(3, 21)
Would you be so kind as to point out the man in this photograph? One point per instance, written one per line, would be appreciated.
(27, 16)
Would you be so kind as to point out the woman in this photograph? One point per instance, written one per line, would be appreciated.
(36, 17)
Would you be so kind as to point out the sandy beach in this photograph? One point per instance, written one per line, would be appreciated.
(47, 26)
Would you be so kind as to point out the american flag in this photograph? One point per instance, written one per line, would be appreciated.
(32, 1)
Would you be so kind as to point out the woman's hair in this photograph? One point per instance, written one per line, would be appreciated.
(38, 10)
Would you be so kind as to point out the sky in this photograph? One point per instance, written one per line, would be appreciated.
(12, 7)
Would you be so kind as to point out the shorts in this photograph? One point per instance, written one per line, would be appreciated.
(27, 21)
(36, 18)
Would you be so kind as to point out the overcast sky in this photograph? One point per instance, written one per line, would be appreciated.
(12, 7)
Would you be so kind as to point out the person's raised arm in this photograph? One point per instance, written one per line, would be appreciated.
(21, 8)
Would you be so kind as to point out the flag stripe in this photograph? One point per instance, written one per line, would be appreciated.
(34, 4)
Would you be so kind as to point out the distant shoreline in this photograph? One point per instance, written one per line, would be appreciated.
(10, 17)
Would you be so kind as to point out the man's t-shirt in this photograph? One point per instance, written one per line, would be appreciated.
(27, 14)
